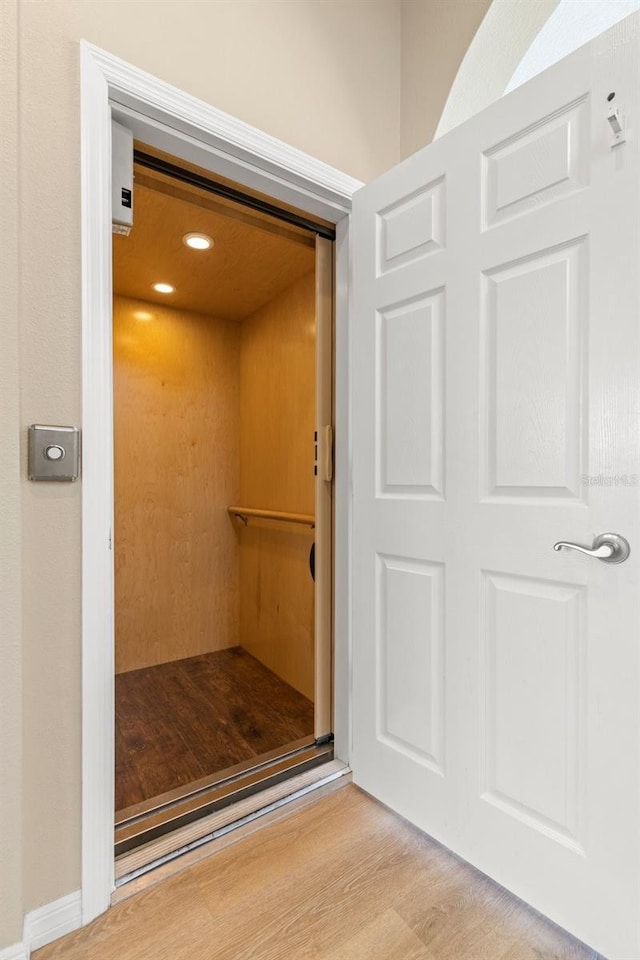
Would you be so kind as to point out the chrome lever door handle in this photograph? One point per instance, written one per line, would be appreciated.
(608, 547)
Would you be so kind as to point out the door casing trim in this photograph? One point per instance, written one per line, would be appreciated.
(174, 121)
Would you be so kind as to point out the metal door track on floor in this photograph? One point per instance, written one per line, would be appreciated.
(162, 858)
(159, 859)
(148, 822)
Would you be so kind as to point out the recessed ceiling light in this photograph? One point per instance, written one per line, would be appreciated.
(164, 288)
(197, 241)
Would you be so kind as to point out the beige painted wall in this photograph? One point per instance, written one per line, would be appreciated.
(435, 38)
(177, 469)
(253, 59)
(11, 526)
(324, 75)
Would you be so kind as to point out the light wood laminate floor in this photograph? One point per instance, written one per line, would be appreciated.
(341, 879)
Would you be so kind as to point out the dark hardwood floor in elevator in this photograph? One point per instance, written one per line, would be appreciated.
(178, 722)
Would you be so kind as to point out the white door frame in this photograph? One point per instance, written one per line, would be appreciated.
(171, 120)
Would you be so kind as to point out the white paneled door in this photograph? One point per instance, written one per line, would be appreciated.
(496, 345)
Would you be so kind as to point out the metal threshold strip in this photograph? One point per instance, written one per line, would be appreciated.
(165, 800)
(142, 826)
(162, 858)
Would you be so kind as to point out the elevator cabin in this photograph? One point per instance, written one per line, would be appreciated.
(222, 352)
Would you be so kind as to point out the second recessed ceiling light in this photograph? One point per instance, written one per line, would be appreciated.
(197, 241)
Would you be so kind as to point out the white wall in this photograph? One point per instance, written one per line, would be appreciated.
(517, 40)
(503, 38)
(571, 25)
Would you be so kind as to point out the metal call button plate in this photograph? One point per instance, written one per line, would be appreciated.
(54, 452)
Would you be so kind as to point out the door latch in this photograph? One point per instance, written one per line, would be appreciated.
(325, 441)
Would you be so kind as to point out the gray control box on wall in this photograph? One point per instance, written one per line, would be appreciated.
(121, 179)
(54, 452)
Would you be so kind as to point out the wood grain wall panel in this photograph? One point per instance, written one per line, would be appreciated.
(176, 419)
(277, 414)
(277, 600)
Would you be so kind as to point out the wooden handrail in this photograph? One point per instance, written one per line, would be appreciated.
(243, 513)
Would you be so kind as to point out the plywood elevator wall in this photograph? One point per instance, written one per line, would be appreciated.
(176, 391)
(277, 412)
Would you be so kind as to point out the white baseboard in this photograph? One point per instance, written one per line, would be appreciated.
(46, 924)
(50, 922)
(16, 952)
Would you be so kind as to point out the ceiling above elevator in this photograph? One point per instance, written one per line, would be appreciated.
(253, 259)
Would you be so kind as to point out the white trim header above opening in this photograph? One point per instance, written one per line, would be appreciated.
(171, 120)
